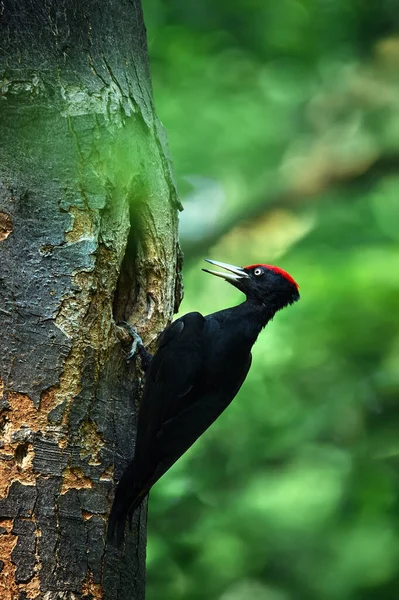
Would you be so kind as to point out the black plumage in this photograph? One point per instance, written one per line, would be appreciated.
(200, 365)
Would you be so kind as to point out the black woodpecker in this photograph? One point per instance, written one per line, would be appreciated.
(200, 365)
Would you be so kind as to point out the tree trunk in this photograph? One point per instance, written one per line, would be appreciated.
(88, 237)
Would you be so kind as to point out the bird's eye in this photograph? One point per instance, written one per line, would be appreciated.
(258, 271)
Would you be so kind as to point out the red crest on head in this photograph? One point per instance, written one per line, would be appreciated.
(281, 272)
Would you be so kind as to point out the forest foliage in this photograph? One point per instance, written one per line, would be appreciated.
(283, 123)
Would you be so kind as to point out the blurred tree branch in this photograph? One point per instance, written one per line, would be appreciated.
(308, 189)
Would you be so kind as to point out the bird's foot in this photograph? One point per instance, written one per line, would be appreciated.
(137, 346)
(136, 339)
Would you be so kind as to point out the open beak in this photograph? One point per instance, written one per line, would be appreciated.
(234, 275)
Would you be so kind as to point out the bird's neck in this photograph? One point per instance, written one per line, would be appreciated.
(251, 317)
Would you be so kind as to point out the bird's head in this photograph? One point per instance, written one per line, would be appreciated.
(264, 284)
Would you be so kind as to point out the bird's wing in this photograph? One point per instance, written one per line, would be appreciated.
(178, 404)
(175, 410)
(175, 369)
(178, 433)
(172, 374)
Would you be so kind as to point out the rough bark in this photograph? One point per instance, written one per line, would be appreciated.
(88, 236)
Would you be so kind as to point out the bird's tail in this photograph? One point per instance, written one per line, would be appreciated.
(127, 499)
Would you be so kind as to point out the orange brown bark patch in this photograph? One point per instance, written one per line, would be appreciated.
(6, 226)
(7, 575)
(24, 413)
(48, 401)
(11, 471)
(17, 453)
(90, 588)
(108, 474)
(32, 588)
(75, 479)
(86, 515)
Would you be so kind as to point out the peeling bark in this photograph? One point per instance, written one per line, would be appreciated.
(88, 236)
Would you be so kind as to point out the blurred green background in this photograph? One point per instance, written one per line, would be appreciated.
(283, 124)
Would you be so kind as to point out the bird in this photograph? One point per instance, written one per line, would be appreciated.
(199, 366)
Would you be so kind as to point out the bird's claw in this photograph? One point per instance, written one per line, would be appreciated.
(137, 341)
